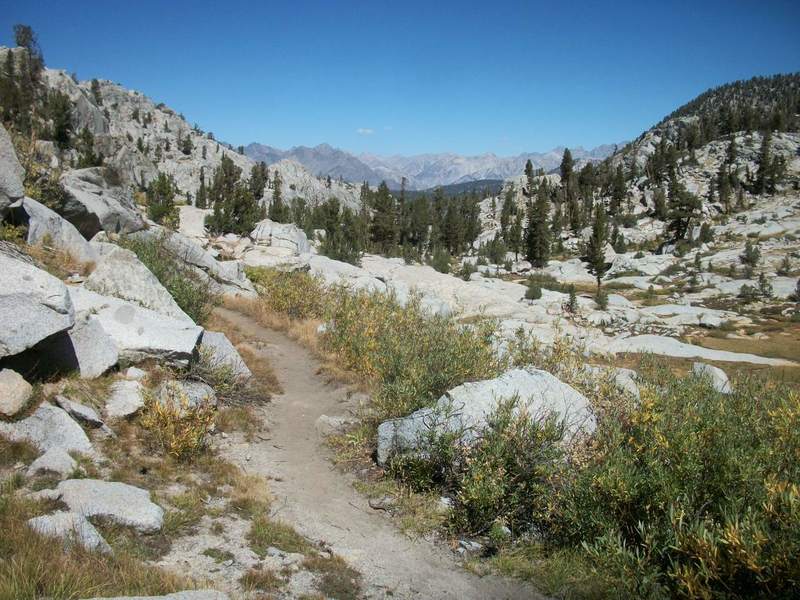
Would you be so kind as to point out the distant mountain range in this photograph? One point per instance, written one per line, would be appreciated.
(422, 171)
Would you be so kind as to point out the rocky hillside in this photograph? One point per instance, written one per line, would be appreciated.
(139, 138)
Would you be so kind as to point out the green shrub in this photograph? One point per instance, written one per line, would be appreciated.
(297, 295)
(695, 494)
(467, 269)
(191, 293)
(413, 357)
(534, 291)
(441, 260)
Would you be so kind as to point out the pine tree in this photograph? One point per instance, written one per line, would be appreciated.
(161, 201)
(683, 207)
(567, 165)
(278, 211)
(259, 175)
(201, 201)
(85, 148)
(515, 236)
(537, 236)
(660, 204)
(765, 180)
(595, 249)
(383, 229)
(98, 98)
(60, 112)
(617, 191)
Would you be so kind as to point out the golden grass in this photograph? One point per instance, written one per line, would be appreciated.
(262, 579)
(32, 566)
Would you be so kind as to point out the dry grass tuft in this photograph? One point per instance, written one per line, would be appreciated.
(335, 578)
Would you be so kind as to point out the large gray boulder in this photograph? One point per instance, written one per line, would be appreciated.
(119, 502)
(48, 427)
(281, 235)
(121, 274)
(33, 305)
(187, 595)
(72, 528)
(86, 349)
(47, 225)
(466, 409)
(219, 351)
(11, 173)
(94, 205)
(139, 333)
(14, 393)
(714, 375)
(224, 277)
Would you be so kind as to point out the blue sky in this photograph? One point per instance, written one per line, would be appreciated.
(411, 77)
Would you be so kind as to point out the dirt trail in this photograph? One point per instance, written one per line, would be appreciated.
(320, 502)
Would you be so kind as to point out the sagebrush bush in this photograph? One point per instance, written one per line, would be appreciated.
(194, 295)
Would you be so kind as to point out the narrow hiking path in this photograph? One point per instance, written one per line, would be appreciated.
(320, 501)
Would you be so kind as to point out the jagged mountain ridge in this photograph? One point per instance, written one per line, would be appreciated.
(422, 171)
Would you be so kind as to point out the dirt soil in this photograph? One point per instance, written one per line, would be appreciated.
(320, 502)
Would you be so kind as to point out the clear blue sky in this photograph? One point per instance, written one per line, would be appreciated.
(410, 77)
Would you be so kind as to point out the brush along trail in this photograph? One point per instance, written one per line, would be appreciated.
(320, 502)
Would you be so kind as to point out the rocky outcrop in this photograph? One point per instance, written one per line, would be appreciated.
(122, 275)
(33, 305)
(226, 277)
(71, 527)
(93, 205)
(45, 225)
(221, 353)
(86, 348)
(49, 427)
(11, 173)
(14, 393)
(137, 332)
(118, 502)
(286, 236)
(465, 411)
